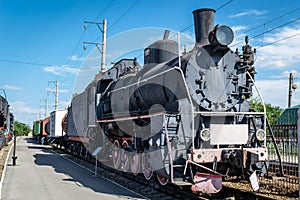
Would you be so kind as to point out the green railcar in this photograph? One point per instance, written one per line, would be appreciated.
(36, 128)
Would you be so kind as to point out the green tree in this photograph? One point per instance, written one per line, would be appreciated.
(273, 112)
(21, 128)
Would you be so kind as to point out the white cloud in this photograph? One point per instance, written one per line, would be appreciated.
(64, 104)
(187, 40)
(24, 113)
(273, 91)
(276, 92)
(275, 62)
(279, 60)
(11, 87)
(28, 113)
(238, 28)
(63, 70)
(60, 90)
(75, 58)
(286, 74)
(283, 54)
(249, 12)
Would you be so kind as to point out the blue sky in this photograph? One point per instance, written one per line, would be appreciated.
(41, 41)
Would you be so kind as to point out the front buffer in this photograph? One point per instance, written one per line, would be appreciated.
(207, 183)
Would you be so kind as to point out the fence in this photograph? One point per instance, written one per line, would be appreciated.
(286, 138)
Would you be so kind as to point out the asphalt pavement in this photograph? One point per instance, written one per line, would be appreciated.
(40, 173)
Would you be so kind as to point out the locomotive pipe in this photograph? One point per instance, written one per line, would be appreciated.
(204, 20)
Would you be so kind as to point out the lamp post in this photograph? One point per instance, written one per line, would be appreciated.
(292, 86)
(14, 157)
(103, 31)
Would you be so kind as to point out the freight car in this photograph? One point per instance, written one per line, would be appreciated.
(56, 120)
(36, 128)
(41, 130)
(6, 122)
(184, 118)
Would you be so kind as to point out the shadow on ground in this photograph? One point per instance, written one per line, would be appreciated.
(76, 174)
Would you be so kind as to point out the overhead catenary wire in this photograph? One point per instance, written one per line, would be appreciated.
(24, 62)
(83, 33)
(217, 9)
(127, 11)
(79, 41)
(81, 55)
(41, 64)
(104, 9)
(76, 47)
(264, 24)
(186, 28)
(272, 20)
(268, 31)
(282, 39)
(225, 4)
(277, 27)
(121, 16)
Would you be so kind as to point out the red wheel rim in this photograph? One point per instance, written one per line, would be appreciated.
(125, 164)
(162, 180)
(116, 154)
(147, 171)
(135, 163)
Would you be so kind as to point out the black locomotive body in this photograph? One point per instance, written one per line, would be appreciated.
(184, 117)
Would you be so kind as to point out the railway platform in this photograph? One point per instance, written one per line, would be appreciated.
(40, 173)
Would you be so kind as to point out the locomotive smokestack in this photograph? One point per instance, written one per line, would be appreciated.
(204, 20)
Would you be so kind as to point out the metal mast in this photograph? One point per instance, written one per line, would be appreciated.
(103, 45)
(56, 95)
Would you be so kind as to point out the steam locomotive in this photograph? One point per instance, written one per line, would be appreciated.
(184, 118)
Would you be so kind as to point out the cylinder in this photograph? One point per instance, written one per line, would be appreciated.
(204, 20)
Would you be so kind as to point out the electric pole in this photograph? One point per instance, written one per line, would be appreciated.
(103, 49)
(103, 46)
(46, 106)
(56, 93)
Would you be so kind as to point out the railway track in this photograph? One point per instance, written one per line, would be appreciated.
(152, 189)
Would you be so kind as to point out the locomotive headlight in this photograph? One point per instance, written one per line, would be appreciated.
(221, 35)
(205, 134)
(260, 135)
